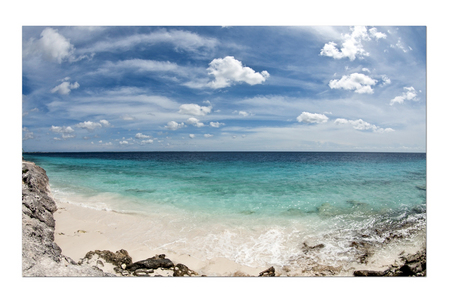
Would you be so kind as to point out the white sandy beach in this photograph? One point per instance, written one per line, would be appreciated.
(80, 230)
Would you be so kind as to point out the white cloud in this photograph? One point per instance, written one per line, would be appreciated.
(52, 46)
(89, 125)
(142, 136)
(228, 70)
(105, 123)
(108, 144)
(359, 82)
(216, 124)
(179, 38)
(378, 35)
(362, 125)
(408, 94)
(172, 125)
(192, 136)
(351, 47)
(61, 129)
(312, 118)
(194, 109)
(243, 113)
(365, 70)
(65, 88)
(207, 135)
(149, 141)
(123, 142)
(386, 80)
(195, 122)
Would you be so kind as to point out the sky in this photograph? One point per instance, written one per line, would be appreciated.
(224, 88)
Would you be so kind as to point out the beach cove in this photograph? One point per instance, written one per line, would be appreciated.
(298, 241)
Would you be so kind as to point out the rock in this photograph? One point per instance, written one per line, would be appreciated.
(118, 259)
(158, 261)
(309, 248)
(270, 272)
(181, 270)
(369, 273)
(413, 265)
(41, 256)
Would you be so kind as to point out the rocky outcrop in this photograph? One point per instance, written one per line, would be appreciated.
(41, 256)
(121, 264)
(411, 265)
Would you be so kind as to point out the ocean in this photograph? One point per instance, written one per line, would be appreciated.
(298, 210)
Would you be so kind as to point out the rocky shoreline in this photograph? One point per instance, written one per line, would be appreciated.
(41, 256)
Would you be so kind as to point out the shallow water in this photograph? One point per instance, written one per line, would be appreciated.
(257, 209)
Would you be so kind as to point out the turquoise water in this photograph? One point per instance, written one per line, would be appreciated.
(302, 196)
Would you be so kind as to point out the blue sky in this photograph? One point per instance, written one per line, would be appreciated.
(237, 88)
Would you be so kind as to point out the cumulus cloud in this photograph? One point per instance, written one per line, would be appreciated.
(195, 122)
(142, 136)
(192, 136)
(228, 70)
(312, 118)
(207, 135)
(194, 109)
(362, 125)
(123, 142)
(216, 124)
(54, 46)
(172, 125)
(352, 43)
(359, 82)
(61, 129)
(89, 125)
(65, 88)
(408, 94)
(105, 123)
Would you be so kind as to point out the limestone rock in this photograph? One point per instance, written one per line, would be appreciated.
(41, 256)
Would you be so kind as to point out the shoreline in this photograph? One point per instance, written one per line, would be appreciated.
(78, 230)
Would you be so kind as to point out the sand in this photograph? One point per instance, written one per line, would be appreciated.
(80, 230)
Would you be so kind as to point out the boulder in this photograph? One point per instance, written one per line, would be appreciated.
(155, 262)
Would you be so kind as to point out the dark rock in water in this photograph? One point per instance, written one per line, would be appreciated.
(307, 248)
(140, 191)
(155, 262)
(421, 187)
(181, 270)
(41, 256)
(270, 272)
